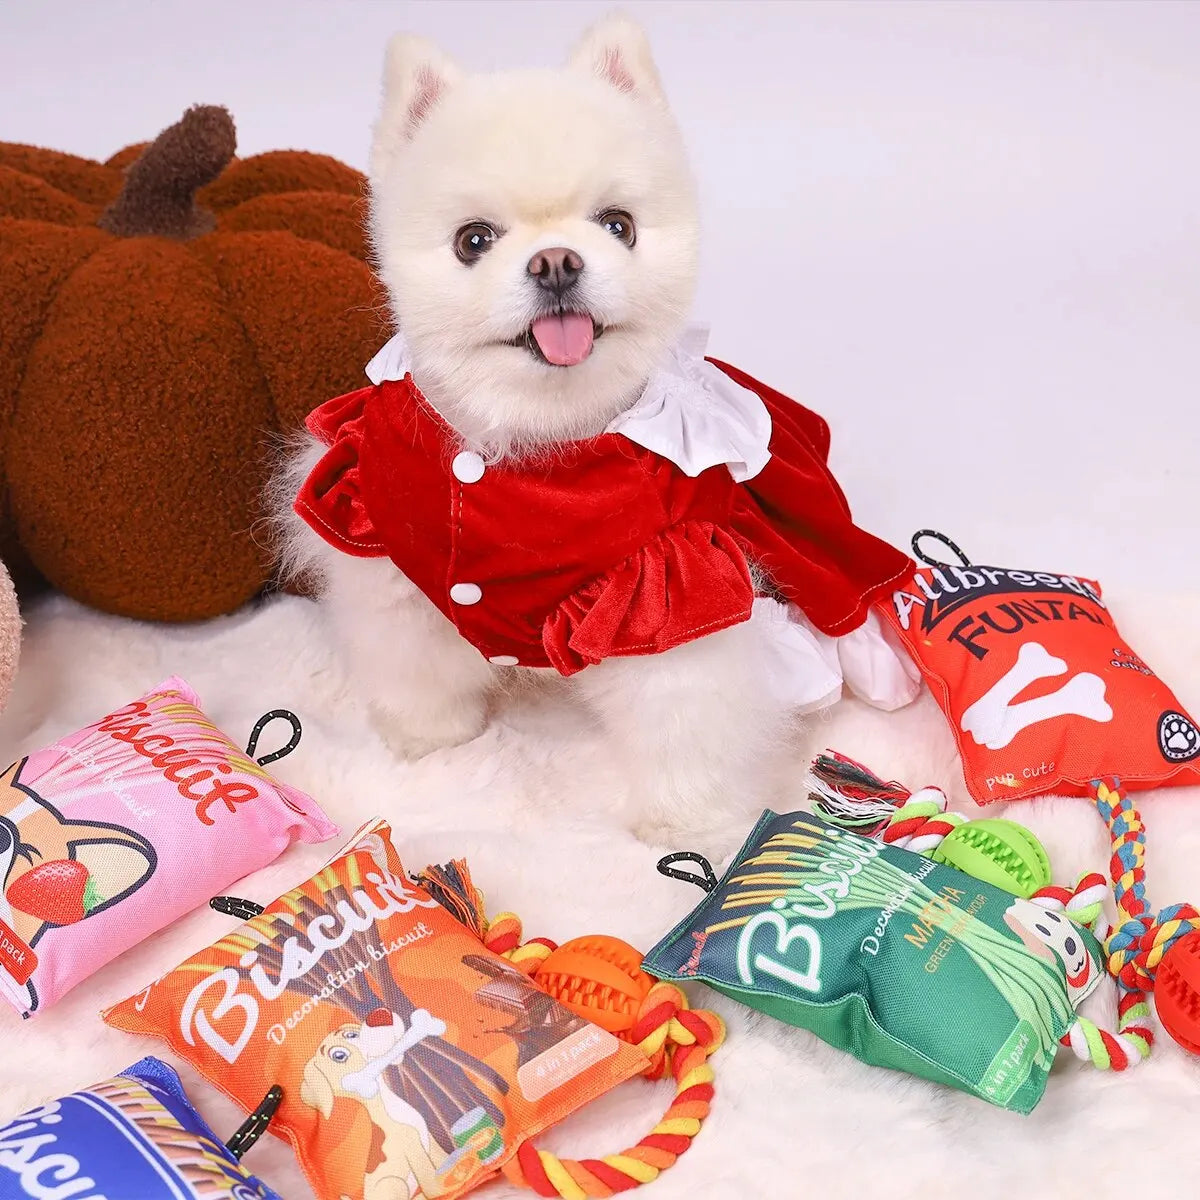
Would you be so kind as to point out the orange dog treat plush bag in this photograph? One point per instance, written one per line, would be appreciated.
(1041, 691)
(413, 1061)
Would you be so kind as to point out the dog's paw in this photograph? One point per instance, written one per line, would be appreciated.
(655, 833)
(410, 741)
(713, 837)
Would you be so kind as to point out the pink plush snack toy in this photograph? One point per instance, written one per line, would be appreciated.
(115, 831)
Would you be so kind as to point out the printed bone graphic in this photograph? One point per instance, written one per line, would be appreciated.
(994, 720)
(422, 1024)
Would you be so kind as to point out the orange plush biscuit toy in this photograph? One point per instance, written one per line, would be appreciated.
(414, 1061)
(1042, 692)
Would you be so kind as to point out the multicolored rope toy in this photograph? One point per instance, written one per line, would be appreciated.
(1008, 856)
(601, 979)
(1145, 947)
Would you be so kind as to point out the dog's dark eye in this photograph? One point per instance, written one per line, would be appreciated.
(620, 224)
(473, 241)
(339, 1054)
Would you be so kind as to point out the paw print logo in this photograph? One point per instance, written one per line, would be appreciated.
(1178, 737)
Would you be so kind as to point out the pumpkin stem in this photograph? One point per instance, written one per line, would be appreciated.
(159, 196)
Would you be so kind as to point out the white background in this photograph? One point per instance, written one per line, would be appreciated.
(968, 233)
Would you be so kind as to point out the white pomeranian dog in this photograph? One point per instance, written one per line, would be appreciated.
(546, 472)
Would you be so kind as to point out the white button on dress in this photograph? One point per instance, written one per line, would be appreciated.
(466, 593)
(504, 660)
(467, 467)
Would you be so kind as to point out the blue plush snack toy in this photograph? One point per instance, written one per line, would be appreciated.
(133, 1137)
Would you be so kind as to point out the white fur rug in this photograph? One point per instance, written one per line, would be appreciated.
(529, 804)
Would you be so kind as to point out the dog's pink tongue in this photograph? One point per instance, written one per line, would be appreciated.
(564, 340)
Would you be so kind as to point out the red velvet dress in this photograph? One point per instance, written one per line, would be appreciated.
(601, 548)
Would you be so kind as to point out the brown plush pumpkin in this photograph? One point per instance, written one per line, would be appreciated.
(163, 318)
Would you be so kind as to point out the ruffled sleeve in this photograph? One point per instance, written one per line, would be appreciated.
(690, 580)
(806, 669)
(331, 499)
(792, 519)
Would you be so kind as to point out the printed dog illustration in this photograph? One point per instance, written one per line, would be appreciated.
(1055, 938)
(55, 871)
(351, 1063)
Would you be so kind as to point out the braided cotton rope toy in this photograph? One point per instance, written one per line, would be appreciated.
(1145, 949)
(600, 978)
(1009, 856)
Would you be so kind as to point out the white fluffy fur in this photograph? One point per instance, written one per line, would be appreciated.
(531, 806)
(539, 154)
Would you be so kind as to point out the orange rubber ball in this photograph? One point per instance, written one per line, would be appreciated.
(599, 978)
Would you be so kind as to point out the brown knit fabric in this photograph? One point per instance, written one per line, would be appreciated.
(126, 155)
(335, 219)
(10, 636)
(91, 182)
(34, 199)
(280, 171)
(159, 193)
(142, 377)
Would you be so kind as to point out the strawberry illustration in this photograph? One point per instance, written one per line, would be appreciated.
(59, 892)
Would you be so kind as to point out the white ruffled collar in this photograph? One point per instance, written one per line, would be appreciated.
(392, 361)
(691, 413)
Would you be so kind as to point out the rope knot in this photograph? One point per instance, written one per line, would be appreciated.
(1138, 946)
(1128, 954)
(1083, 903)
(503, 937)
(921, 824)
(666, 1025)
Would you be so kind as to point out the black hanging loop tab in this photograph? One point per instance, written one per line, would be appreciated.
(255, 1124)
(235, 906)
(281, 714)
(705, 881)
(929, 560)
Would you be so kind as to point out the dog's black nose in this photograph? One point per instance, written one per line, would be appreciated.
(557, 269)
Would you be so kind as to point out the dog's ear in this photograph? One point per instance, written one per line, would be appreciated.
(617, 50)
(1033, 943)
(9, 778)
(315, 1089)
(416, 75)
